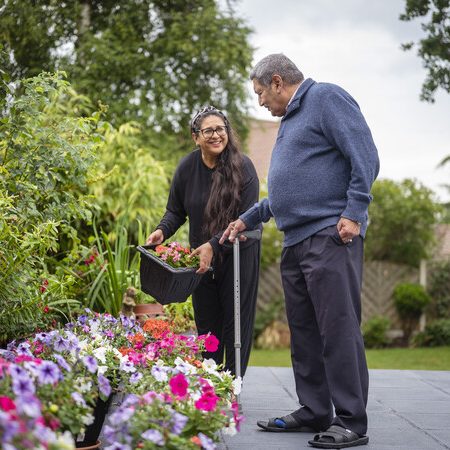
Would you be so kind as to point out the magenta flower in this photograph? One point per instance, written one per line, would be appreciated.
(211, 343)
(178, 385)
(6, 404)
(207, 402)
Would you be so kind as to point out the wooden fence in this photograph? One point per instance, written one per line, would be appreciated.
(379, 281)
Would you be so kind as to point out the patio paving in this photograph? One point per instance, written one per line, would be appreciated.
(407, 409)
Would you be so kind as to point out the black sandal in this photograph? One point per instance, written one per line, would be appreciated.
(338, 437)
(291, 425)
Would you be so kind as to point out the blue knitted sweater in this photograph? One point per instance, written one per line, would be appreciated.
(322, 167)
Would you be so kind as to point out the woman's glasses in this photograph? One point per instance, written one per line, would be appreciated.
(208, 133)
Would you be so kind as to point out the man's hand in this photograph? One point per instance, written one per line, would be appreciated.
(232, 230)
(348, 229)
(205, 253)
(156, 238)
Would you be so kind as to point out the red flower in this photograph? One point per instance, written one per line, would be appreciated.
(211, 343)
(46, 309)
(43, 286)
(178, 385)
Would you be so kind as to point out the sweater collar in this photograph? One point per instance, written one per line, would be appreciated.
(294, 103)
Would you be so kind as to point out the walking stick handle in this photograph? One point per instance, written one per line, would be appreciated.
(252, 234)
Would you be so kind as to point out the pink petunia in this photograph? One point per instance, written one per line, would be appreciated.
(211, 343)
(7, 404)
(207, 402)
(178, 385)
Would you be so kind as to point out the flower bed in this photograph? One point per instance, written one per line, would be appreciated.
(49, 386)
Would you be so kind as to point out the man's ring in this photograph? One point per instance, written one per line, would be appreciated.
(350, 240)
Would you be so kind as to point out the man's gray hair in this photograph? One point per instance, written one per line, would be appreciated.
(276, 64)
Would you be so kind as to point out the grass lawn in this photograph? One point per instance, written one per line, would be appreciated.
(437, 358)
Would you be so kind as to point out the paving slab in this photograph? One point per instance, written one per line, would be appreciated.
(407, 410)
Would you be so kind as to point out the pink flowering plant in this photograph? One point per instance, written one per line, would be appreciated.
(176, 255)
(41, 400)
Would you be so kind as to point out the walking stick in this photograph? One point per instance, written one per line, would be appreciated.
(254, 234)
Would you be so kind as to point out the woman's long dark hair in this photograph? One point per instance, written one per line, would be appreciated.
(224, 198)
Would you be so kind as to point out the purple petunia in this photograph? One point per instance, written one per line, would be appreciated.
(78, 398)
(207, 443)
(24, 349)
(48, 373)
(154, 436)
(135, 377)
(91, 363)
(62, 362)
(121, 415)
(29, 405)
(179, 421)
(23, 386)
(104, 386)
(60, 344)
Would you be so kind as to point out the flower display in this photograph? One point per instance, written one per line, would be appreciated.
(176, 255)
(50, 384)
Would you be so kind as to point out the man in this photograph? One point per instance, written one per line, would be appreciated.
(322, 168)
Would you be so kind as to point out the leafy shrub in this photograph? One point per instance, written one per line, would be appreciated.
(374, 332)
(435, 334)
(410, 301)
(47, 156)
(439, 289)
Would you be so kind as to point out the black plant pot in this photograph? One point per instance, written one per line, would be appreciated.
(94, 429)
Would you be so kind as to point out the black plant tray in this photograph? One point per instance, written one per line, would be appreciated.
(164, 282)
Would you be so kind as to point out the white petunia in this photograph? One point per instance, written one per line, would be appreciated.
(237, 385)
(230, 430)
(101, 370)
(100, 354)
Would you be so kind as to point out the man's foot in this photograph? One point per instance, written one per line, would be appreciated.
(285, 424)
(338, 437)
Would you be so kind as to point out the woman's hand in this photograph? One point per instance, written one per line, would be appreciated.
(156, 238)
(205, 253)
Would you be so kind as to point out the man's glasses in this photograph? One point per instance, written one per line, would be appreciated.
(208, 133)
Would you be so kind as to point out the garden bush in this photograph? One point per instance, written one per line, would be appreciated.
(410, 301)
(439, 289)
(435, 334)
(47, 157)
(374, 332)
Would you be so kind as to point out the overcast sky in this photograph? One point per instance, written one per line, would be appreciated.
(356, 44)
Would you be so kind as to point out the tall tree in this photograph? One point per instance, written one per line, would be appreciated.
(434, 48)
(154, 61)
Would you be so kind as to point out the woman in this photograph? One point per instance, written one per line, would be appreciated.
(211, 186)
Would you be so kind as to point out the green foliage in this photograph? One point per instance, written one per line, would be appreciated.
(435, 334)
(47, 154)
(434, 48)
(439, 289)
(272, 238)
(268, 313)
(374, 332)
(136, 184)
(152, 61)
(410, 299)
(402, 216)
(114, 268)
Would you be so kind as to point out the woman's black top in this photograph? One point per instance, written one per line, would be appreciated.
(189, 193)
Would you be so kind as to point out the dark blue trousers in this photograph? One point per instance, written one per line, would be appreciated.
(322, 280)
